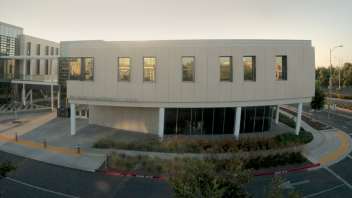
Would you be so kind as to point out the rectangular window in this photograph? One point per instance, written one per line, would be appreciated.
(29, 48)
(52, 50)
(249, 68)
(28, 67)
(46, 50)
(46, 67)
(188, 69)
(88, 69)
(149, 69)
(38, 49)
(75, 69)
(124, 69)
(226, 68)
(38, 67)
(57, 51)
(281, 67)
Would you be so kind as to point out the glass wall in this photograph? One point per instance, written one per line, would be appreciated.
(212, 121)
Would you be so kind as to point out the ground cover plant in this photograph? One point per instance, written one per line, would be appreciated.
(288, 121)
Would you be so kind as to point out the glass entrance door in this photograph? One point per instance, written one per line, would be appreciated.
(82, 111)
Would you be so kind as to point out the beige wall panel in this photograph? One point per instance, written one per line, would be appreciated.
(154, 120)
(225, 51)
(291, 72)
(87, 52)
(136, 72)
(309, 71)
(259, 86)
(92, 114)
(123, 89)
(248, 51)
(187, 92)
(188, 51)
(161, 74)
(225, 91)
(213, 93)
(99, 115)
(299, 84)
(126, 118)
(237, 83)
(280, 50)
(149, 92)
(99, 73)
(149, 52)
(111, 73)
(87, 88)
(201, 73)
(136, 91)
(248, 91)
(72, 52)
(136, 119)
(280, 89)
(118, 116)
(270, 63)
(109, 116)
(145, 120)
(76, 88)
(175, 74)
(124, 52)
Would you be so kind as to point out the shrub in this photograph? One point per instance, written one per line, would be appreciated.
(286, 120)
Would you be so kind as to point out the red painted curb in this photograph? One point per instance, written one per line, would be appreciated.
(161, 177)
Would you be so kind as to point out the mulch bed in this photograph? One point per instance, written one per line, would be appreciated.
(254, 171)
(315, 125)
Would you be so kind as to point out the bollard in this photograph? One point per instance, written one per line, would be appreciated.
(78, 149)
(16, 137)
(44, 143)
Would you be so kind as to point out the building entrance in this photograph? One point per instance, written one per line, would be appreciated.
(82, 111)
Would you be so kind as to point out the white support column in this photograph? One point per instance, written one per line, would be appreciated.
(24, 94)
(52, 86)
(31, 96)
(298, 121)
(277, 114)
(73, 119)
(58, 99)
(24, 68)
(237, 122)
(161, 123)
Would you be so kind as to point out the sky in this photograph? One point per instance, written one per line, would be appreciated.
(326, 23)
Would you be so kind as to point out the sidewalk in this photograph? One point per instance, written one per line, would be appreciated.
(328, 147)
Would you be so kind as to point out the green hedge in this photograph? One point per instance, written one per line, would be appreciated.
(288, 121)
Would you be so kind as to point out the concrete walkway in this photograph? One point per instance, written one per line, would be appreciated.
(328, 147)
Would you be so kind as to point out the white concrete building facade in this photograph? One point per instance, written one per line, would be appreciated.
(187, 86)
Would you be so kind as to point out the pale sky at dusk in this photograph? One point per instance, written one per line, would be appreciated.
(327, 23)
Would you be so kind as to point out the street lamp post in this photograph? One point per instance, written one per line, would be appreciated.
(330, 85)
(339, 72)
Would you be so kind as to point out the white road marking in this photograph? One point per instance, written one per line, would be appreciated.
(323, 191)
(40, 188)
(350, 134)
(344, 127)
(339, 114)
(338, 177)
(349, 156)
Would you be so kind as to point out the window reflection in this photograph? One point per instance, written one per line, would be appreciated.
(88, 69)
(149, 69)
(75, 69)
(249, 68)
(124, 69)
(225, 68)
(188, 68)
(281, 71)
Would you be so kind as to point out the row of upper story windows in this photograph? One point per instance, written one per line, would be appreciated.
(29, 52)
(82, 68)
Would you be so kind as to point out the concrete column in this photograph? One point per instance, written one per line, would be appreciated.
(237, 122)
(31, 96)
(298, 121)
(24, 68)
(24, 94)
(161, 123)
(73, 119)
(58, 99)
(52, 97)
(277, 114)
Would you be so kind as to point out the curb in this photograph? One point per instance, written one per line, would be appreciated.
(161, 177)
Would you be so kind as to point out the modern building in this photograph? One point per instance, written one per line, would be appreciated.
(28, 62)
(192, 87)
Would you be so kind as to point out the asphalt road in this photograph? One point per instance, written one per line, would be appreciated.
(38, 179)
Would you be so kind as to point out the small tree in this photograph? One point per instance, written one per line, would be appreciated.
(5, 168)
(200, 180)
(318, 101)
(277, 189)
